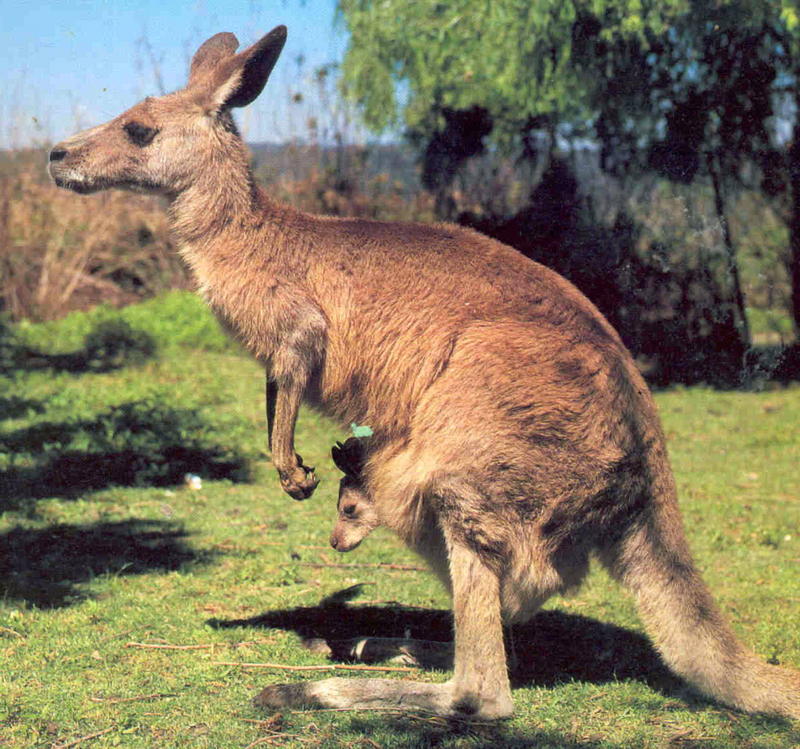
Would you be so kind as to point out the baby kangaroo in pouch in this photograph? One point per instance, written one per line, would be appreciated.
(356, 516)
(513, 436)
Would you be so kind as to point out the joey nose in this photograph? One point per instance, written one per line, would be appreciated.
(57, 154)
(334, 541)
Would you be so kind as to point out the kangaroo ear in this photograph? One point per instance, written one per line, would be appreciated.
(227, 80)
(257, 64)
(211, 54)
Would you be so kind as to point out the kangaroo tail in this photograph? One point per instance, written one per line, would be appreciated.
(653, 559)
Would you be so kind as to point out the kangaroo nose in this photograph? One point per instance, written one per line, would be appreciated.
(334, 540)
(57, 154)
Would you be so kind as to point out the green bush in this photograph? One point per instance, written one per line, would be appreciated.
(177, 318)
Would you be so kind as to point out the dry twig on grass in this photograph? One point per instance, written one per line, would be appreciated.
(278, 737)
(359, 565)
(158, 646)
(80, 740)
(140, 698)
(332, 667)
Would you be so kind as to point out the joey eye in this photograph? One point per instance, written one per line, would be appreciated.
(349, 510)
(138, 134)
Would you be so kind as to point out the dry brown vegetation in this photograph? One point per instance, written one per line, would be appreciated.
(348, 180)
(59, 252)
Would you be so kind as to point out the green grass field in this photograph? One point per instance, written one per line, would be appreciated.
(126, 598)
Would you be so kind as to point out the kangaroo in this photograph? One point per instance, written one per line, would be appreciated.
(356, 516)
(513, 436)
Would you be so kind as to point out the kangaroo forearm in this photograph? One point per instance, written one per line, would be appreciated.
(286, 405)
(283, 405)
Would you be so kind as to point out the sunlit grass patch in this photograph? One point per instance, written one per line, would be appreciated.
(123, 605)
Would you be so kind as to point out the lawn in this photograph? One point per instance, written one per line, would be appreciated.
(128, 600)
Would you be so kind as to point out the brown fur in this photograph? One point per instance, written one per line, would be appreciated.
(513, 435)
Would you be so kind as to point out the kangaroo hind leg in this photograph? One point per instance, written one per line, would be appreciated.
(479, 688)
(480, 680)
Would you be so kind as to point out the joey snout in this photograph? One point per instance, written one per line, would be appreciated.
(343, 541)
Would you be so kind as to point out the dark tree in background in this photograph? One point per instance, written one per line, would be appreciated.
(691, 92)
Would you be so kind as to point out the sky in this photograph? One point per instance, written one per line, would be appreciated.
(71, 64)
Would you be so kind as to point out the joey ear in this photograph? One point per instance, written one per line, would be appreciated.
(236, 80)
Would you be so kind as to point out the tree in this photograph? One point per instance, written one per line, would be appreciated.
(704, 107)
(726, 78)
(790, 27)
(411, 63)
(686, 87)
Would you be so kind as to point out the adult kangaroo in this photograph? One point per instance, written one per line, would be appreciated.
(513, 434)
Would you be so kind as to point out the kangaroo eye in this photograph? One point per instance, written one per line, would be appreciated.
(138, 134)
(349, 510)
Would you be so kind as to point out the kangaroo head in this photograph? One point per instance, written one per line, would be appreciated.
(164, 144)
(356, 515)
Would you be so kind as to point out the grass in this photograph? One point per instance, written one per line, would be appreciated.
(90, 567)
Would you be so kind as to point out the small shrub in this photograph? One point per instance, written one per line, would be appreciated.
(177, 318)
(109, 345)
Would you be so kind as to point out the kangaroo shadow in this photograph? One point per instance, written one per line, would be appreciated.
(45, 567)
(553, 648)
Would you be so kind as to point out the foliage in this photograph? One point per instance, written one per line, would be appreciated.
(512, 58)
(344, 181)
(233, 571)
(177, 318)
(717, 95)
(696, 70)
(114, 343)
(682, 89)
(111, 344)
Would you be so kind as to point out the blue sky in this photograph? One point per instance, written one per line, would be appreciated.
(70, 64)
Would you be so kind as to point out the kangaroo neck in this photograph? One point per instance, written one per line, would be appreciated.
(243, 248)
(219, 198)
(223, 219)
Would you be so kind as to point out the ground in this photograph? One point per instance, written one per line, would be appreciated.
(129, 602)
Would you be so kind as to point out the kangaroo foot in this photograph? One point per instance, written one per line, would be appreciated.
(377, 694)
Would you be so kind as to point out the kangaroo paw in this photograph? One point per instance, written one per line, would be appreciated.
(300, 482)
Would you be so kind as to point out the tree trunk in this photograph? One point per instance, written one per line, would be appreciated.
(794, 218)
(742, 325)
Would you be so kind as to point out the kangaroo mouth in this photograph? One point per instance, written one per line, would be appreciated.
(69, 179)
(76, 183)
(83, 188)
